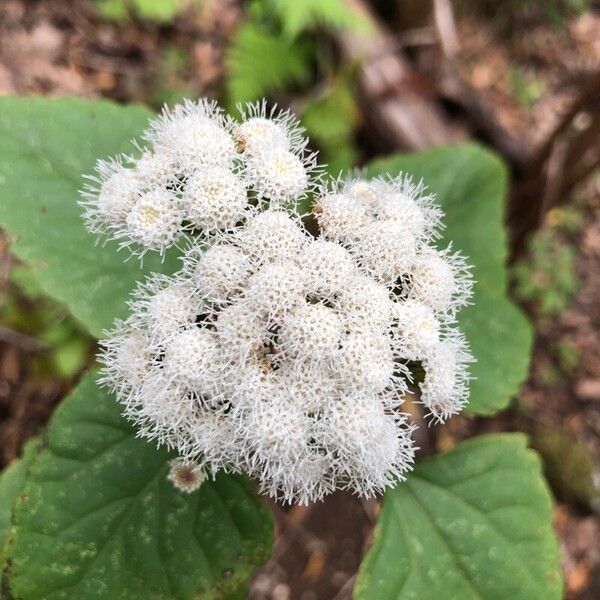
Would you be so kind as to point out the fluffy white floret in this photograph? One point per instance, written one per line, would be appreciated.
(241, 328)
(214, 198)
(194, 134)
(109, 195)
(192, 359)
(365, 363)
(118, 194)
(219, 272)
(441, 280)
(272, 235)
(373, 449)
(417, 329)
(277, 174)
(154, 221)
(327, 266)
(365, 305)
(403, 200)
(385, 250)
(127, 356)
(365, 193)
(444, 390)
(262, 127)
(339, 216)
(156, 169)
(311, 331)
(165, 305)
(275, 289)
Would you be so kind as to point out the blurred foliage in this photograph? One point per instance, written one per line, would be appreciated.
(275, 50)
(511, 15)
(526, 88)
(567, 355)
(64, 348)
(160, 11)
(331, 120)
(546, 277)
(169, 87)
(568, 218)
(261, 62)
(298, 16)
(568, 466)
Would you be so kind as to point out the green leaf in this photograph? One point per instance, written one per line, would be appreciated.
(114, 10)
(12, 480)
(45, 146)
(474, 523)
(160, 12)
(99, 520)
(260, 62)
(297, 17)
(470, 184)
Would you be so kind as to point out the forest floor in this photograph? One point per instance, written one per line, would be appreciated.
(60, 47)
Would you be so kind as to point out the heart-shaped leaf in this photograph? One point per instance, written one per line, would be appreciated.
(97, 518)
(474, 523)
(45, 147)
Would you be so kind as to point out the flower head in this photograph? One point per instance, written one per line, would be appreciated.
(275, 351)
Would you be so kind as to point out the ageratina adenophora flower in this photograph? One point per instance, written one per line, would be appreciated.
(199, 173)
(274, 352)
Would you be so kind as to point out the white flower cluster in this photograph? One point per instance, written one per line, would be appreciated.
(285, 355)
(199, 173)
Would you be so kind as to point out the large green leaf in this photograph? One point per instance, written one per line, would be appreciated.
(12, 480)
(474, 523)
(45, 147)
(470, 184)
(98, 518)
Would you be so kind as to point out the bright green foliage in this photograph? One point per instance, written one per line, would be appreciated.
(474, 523)
(268, 53)
(331, 121)
(161, 11)
(45, 147)
(12, 480)
(470, 184)
(98, 518)
(296, 17)
(547, 277)
(260, 62)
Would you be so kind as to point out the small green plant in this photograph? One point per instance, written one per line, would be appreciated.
(160, 11)
(546, 278)
(527, 89)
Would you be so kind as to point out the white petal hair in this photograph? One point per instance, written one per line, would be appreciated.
(278, 352)
(199, 174)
